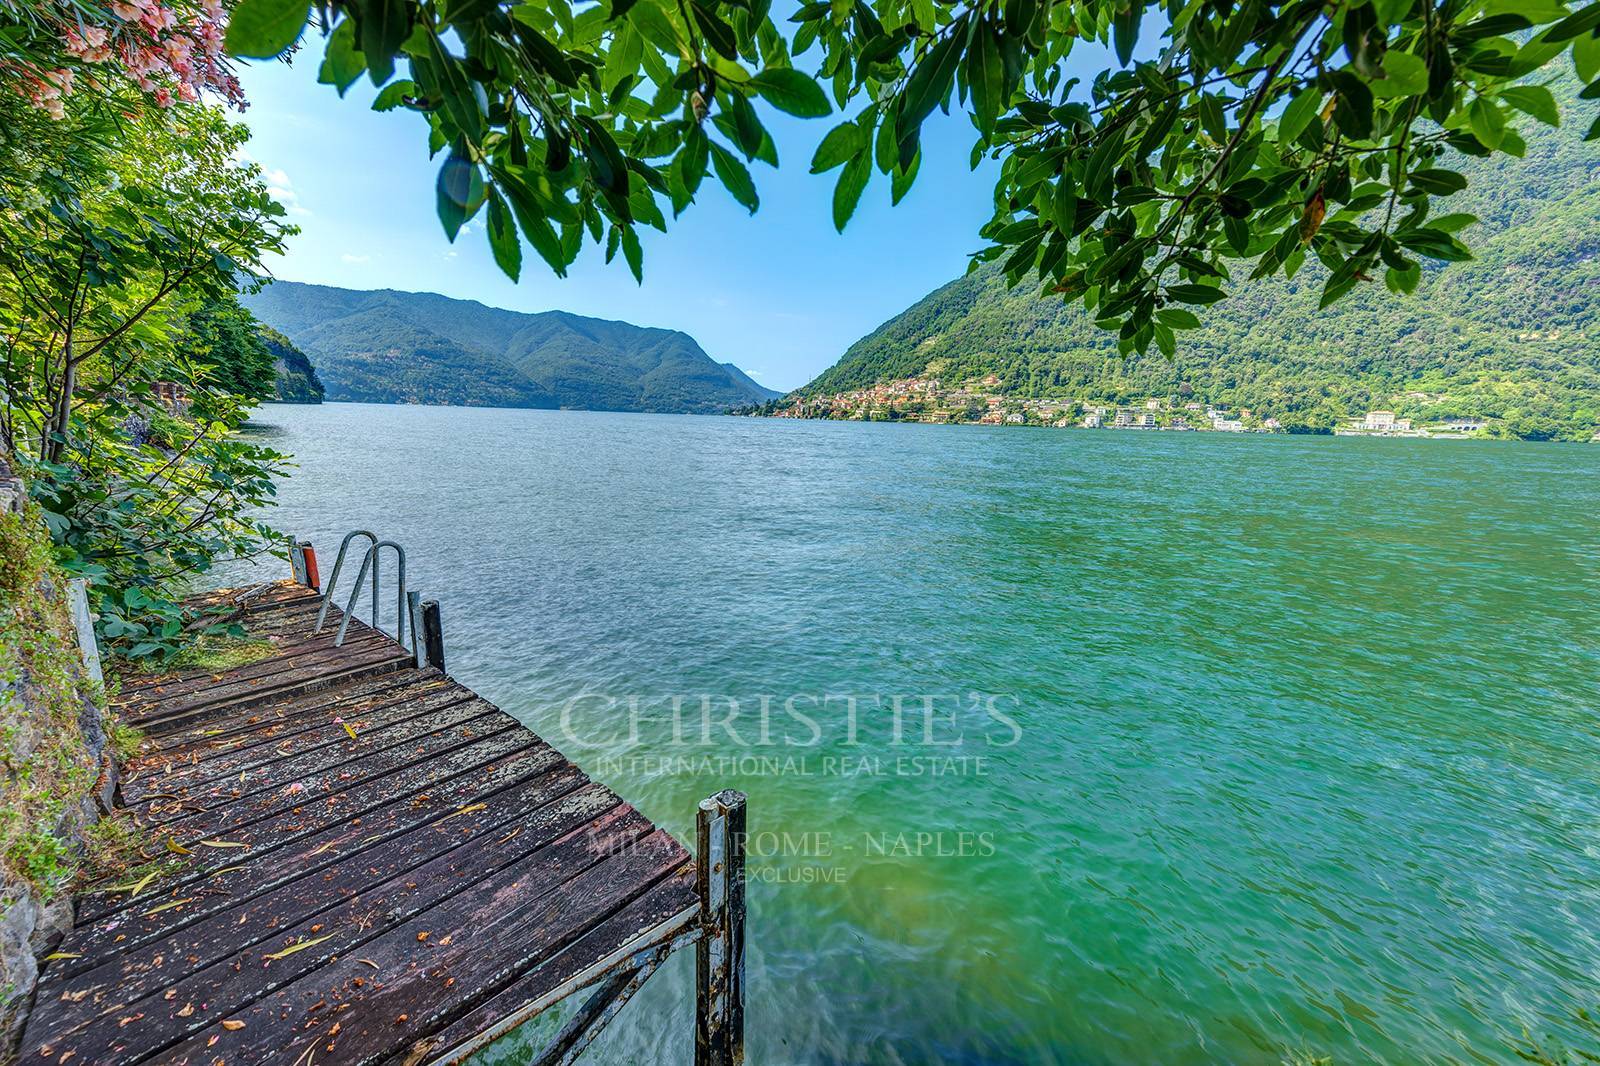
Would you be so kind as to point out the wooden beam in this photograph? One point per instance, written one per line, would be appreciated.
(432, 634)
(719, 956)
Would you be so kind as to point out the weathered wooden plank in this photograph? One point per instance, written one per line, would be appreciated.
(288, 656)
(230, 819)
(284, 623)
(345, 806)
(273, 728)
(477, 941)
(248, 752)
(182, 983)
(268, 675)
(278, 592)
(272, 717)
(237, 790)
(188, 936)
(314, 679)
(631, 926)
(312, 853)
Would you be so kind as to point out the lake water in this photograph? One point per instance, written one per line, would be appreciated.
(1241, 749)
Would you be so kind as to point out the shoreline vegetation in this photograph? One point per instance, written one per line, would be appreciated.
(929, 400)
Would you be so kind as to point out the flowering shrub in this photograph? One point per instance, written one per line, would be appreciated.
(114, 231)
(172, 51)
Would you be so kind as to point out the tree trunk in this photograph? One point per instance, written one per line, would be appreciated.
(56, 426)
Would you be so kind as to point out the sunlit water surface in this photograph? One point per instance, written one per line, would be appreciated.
(1305, 760)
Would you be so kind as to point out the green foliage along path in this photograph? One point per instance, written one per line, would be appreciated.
(1512, 335)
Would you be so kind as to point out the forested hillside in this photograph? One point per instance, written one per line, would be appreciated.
(402, 347)
(1512, 336)
(297, 380)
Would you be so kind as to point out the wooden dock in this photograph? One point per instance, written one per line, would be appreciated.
(369, 863)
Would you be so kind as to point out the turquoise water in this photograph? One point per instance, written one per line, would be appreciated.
(1241, 749)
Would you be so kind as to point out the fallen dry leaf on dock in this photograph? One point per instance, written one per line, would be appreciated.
(133, 888)
(168, 906)
(299, 945)
(468, 809)
(233, 1023)
(223, 844)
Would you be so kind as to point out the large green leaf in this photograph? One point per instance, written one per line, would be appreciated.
(986, 78)
(733, 174)
(503, 239)
(342, 61)
(459, 192)
(385, 24)
(929, 83)
(791, 91)
(847, 193)
(261, 29)
(1301, 110)
(1533, 100)
(841, 143)
(633, 253)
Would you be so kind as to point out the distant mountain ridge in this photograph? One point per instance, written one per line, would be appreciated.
(387, 346)
(1512, 337)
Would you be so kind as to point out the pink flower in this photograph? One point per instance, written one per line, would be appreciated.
(158, 18)
(163, 97)
(187, 93)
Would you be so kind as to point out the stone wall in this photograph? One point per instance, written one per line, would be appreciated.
(57, 773)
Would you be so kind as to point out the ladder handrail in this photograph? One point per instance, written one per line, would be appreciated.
(372, 559)
(333, 578)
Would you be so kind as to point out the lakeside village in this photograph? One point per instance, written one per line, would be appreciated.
(925, 400)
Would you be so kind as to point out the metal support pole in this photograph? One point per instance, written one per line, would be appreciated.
(719, 955)
(432, 634)
(419, 654)
(297, 562)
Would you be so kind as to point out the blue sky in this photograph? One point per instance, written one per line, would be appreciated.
(779, 293)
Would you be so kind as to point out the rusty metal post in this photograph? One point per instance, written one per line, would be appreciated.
(719, 955)
(297, 561)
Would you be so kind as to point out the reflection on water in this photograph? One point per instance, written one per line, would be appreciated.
(1061, 746)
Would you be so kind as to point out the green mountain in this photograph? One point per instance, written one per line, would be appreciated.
(404, 347)
(297, 380)
(1512, 336)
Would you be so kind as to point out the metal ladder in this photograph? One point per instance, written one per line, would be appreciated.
(406, 604)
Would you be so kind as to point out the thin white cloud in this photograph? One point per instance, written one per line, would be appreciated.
(281, 188)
